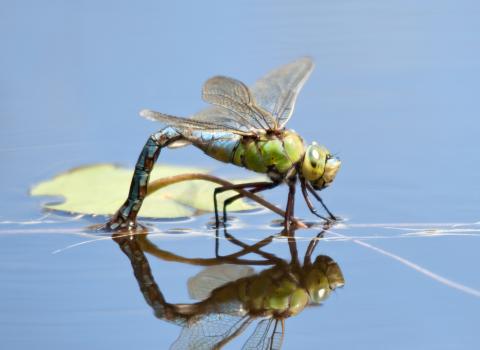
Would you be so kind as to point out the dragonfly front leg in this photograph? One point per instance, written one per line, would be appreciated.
(318, 198)
(219, 190)
(125, 217)
(308, 201)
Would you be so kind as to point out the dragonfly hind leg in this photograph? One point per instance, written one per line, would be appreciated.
(257, 187)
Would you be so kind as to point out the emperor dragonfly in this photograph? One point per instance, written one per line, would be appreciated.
(245, 127)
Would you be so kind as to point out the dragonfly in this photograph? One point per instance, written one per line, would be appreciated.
(231, 296)
(245, 127)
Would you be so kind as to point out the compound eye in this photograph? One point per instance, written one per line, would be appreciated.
(314, 162)
(314, 157)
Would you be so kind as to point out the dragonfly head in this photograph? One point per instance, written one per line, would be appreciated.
(319, 166)
(323, 277)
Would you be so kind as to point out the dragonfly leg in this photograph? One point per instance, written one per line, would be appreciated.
(125, 217)
(256, 189)
(219, 190)
(255, 248)
(289, 212)
(314, 241)
(317, 196)
(308, 201)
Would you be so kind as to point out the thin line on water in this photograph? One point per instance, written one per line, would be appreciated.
(86, 242)
(412, 234)
(43, 220)
(97, 239)
(44, 231)
(443, 280)
(407, 224)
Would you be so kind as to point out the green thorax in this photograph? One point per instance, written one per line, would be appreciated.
(273, 292)
(270, 153)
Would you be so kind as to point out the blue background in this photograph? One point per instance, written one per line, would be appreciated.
(395, 93)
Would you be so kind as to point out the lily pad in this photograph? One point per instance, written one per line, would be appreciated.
(101, 189)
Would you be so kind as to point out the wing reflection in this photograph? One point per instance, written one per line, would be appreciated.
(232, 295)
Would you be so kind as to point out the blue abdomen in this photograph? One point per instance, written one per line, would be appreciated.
(218, 145)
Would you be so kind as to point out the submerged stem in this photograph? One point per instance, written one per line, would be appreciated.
(167, 181)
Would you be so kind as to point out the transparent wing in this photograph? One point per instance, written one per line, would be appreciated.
(211, 331)
(203, 283)
(278, 90)
(276, 339)
(265, 336)
(223, 116)
(234, 96)
(243, 111)
(206, 124)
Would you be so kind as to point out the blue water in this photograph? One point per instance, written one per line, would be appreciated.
(394, 93)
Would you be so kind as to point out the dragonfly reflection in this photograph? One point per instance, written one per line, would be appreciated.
(232, 295)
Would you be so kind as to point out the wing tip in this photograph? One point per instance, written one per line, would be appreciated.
(145, 113)
(148, 114)
(308, 60)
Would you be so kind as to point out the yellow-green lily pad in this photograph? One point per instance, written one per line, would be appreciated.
(101, 189)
